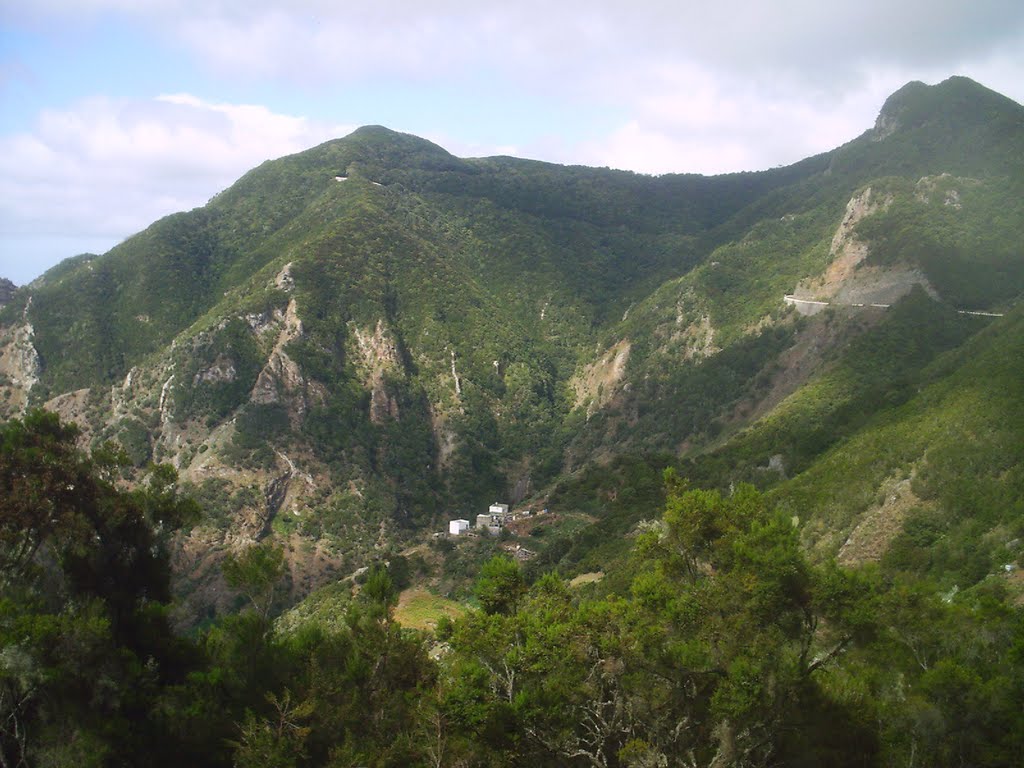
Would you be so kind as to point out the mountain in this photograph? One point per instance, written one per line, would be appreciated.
(6, 290)
(354, 343)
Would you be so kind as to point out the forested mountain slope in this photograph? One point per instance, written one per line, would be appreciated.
(361, 340)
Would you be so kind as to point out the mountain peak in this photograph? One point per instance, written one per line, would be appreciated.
(396, 149)
(956, 101)
(890, 116)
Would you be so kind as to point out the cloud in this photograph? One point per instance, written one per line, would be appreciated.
(689, 120)
(102, 169)
(563, 44)
(809, 37)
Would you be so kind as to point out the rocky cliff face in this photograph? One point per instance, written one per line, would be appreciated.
(19, 365)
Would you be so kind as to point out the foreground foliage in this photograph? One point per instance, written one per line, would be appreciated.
(85, 644)
(730, 649)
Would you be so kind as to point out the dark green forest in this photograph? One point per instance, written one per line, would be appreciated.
(729, 647)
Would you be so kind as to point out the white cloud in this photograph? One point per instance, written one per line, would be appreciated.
(685, 119)
(103, 170)
(824, 42)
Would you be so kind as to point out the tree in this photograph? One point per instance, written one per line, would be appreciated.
(277, 741)
(745, 627)
(84, 576)
(43, 478)
(257, 572)
(378, 593)
(500, 586)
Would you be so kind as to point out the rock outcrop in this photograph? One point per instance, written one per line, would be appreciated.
(377, 353)
(848, 280)
(19, 365)
(597, 383)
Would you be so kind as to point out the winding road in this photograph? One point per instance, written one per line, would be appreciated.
(811, 304)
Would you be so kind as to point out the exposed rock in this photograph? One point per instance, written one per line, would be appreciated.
(378, 354)
(222, 370)
(944, 185)
(443, 436)
(275, 493)
(777, 464)
(847, 250)
(122, 396)
(284, 279)
(847, 280)
(280, 375)
(795, 366)
(877, 285)
(885, 126)
(19, 365)
(378, 350)
(295, 472)
(381, 404)
(698, 338)
(894, 112)
(164, 406)
(455, 376)
(281, 378)
(260, 322)
(597, 383)
(521, 489)
(878, 526)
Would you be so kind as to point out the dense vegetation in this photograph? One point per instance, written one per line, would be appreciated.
(768, 539)
(450, 308)
(729, 648)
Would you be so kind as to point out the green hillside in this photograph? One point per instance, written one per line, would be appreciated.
(959, 442)
(354, 343)
(923, 382)
(728, 647)
(761, 435)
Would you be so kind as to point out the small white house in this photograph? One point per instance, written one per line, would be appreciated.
(455, 527)
(498, 509)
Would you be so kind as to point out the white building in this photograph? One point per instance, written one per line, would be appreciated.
(495, 519)
(455, 527)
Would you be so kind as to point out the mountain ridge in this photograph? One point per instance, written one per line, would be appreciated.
(353, 341)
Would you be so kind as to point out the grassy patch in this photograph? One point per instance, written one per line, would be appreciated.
(586, 578)
(419, 609)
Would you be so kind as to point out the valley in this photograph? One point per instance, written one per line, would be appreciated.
(773, 421)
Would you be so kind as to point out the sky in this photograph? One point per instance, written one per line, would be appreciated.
(114, 113)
